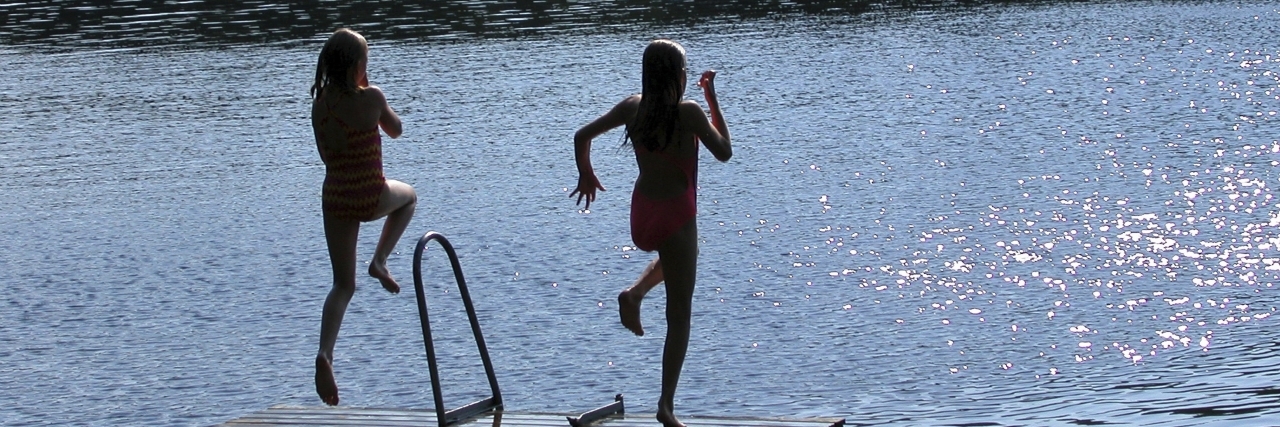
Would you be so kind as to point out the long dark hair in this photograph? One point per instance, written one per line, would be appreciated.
(657, 115)
(343, 51)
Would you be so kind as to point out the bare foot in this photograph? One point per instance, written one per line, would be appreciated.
(629, 311)
(668, 418)
(326, 387)
(379, 271)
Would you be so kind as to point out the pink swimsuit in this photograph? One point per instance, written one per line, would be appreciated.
(653, 221)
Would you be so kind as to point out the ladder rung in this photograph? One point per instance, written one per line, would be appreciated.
(596, 414)
(471, 409)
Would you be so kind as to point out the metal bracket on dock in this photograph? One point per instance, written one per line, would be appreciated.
(596, 414)
(494, 402)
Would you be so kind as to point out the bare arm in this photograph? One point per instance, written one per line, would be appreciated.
(616, 116)
(715, 134)
(388, 120)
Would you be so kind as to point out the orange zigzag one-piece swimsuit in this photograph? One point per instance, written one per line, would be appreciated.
(353, 179)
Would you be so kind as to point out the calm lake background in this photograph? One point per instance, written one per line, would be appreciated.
(1003, 213)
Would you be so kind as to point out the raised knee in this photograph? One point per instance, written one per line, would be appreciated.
(411, 195)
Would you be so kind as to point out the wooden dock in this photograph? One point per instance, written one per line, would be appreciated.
(292, 416)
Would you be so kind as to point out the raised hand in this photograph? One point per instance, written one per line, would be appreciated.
(707, 82)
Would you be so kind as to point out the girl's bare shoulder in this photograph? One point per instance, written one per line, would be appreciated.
(691, 109)
(627, 107)
(631, 101)
(373, 95)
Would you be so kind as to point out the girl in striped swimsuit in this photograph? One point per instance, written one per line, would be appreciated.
(665, 129)
(346, 115)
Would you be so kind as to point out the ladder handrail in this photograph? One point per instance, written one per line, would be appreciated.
(447, 418)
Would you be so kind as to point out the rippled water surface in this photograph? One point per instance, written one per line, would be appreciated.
(1009, 214)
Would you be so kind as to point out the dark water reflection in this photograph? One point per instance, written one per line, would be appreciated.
(67, 24)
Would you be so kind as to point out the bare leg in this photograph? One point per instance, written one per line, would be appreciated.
(340, 235)
(630, 298)
(397, 203)
(679, 257)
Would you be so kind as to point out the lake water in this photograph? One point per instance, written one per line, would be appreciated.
(1017, 213)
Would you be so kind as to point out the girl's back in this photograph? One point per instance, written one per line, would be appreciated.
(665, 172)
(337, 114)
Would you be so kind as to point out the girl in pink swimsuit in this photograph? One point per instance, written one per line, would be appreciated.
(664, 129)
(345, 116)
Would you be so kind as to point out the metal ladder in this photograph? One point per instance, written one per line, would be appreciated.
(492, 403)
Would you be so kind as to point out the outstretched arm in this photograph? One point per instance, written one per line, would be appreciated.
(587, 181)
(714, 135)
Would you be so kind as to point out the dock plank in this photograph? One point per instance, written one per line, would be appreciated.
(287, 416)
